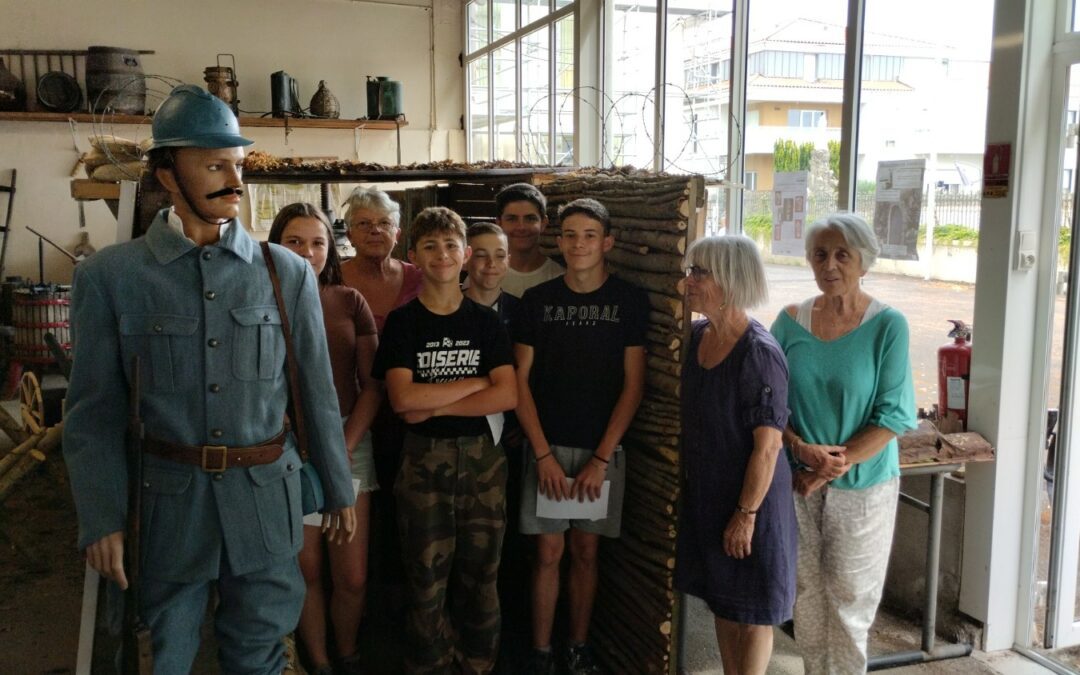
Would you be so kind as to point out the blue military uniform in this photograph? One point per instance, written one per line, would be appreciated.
(205, 325)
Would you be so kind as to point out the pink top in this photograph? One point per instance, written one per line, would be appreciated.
(412, 278)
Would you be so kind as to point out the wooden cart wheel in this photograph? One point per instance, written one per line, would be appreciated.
(31, 403)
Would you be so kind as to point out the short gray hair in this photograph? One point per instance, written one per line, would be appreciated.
(372, 198)
(735, 264)
(855, 231)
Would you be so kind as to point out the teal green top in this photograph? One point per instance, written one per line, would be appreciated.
(838, 387)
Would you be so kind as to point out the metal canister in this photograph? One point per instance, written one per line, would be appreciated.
(383, 98)
(114, 81)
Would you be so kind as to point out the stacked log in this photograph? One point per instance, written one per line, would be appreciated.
(652, 220)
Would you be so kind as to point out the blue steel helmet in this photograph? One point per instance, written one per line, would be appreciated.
(192, 117)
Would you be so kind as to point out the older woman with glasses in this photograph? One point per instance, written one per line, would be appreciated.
(737, 535)
(374, 229)
(373, 219)
(851, 394)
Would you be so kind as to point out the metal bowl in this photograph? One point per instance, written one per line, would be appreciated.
(58, 92)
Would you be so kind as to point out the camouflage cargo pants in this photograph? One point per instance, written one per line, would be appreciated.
(451, 502)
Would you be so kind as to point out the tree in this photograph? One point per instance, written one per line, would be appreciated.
(834, 157)
(787, 156)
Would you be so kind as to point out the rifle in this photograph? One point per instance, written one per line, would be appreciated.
(137, 651)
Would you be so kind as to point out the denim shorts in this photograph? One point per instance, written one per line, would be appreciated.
(573, 460)
(363, 474)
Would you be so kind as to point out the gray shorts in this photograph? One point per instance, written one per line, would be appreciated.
(572, 460)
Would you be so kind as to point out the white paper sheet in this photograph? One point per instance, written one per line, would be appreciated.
(572, 508)
(496, 421)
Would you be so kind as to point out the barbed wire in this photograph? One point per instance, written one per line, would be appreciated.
(613, 129)
(103, 116)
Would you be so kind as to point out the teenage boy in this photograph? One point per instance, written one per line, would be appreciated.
(486, 268)
(581, 372)
(522, 214)
(447, 363)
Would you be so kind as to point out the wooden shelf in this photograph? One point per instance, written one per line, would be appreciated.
(306, 123)
(251, 122)
(401, 175)
(84, 189)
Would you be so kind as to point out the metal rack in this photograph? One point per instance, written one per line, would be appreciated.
(33, 63)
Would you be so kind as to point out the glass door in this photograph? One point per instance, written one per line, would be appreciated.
(1059, 528)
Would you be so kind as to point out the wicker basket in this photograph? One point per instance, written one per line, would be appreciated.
(324, 103)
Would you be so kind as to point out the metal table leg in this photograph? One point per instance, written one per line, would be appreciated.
(933, 509)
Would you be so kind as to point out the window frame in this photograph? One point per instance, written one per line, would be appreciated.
(515, 38)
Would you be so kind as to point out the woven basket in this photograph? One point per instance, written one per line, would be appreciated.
(324, 103)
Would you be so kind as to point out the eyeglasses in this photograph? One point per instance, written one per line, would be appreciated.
(384, 225)
(697, 273)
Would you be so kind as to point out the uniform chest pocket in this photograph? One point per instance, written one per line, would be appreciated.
(258, 343)
(158, 340)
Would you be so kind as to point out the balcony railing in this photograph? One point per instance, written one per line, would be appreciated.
(760, 140)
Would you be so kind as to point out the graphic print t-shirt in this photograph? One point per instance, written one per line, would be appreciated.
(471, 342)
(578, 341)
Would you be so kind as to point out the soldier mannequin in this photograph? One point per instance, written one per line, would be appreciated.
(221, 489)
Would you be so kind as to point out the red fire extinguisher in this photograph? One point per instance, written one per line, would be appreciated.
(954, 370)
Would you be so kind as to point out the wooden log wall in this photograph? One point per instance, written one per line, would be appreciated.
(634, 624)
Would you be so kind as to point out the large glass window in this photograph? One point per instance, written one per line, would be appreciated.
(503, 18)
(923, 104)
(631, 64)
(535, 97)
(564, 91)
(697, 88)
(504, 61)
(794, 98)
(476, 18)
(521, 106)
(479, 126)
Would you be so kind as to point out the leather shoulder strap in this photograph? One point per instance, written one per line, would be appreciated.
(296, 409)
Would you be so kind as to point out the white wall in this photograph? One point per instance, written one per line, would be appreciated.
(340, 41)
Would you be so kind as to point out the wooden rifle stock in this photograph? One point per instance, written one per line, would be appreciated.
(138, 653)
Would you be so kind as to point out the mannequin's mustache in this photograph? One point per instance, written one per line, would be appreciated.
(225, 192)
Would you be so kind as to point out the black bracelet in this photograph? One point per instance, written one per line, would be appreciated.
(605, 461)
(742, 509)
(542, 457)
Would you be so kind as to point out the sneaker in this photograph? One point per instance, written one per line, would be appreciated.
(580, 661)
(541, 663)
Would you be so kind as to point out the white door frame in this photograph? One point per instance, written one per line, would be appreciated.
(1062, 627)
(1010, 348)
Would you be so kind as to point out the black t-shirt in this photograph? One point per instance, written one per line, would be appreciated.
(507, 306)
(471, 342)
(578, 342)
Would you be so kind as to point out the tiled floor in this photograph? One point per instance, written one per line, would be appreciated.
(702, 657)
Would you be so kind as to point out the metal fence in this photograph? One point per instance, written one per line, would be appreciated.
(950, 208)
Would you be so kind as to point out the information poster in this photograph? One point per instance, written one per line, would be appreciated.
(898, 207)
(789, 212)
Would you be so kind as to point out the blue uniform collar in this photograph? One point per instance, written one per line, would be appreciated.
(167, 244)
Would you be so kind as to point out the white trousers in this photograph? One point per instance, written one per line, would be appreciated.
(844, 542)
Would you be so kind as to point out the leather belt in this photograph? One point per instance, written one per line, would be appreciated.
(218, 458)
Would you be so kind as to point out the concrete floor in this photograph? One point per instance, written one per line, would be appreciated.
(703, 658)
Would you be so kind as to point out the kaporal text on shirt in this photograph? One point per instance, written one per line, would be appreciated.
(579, 313)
